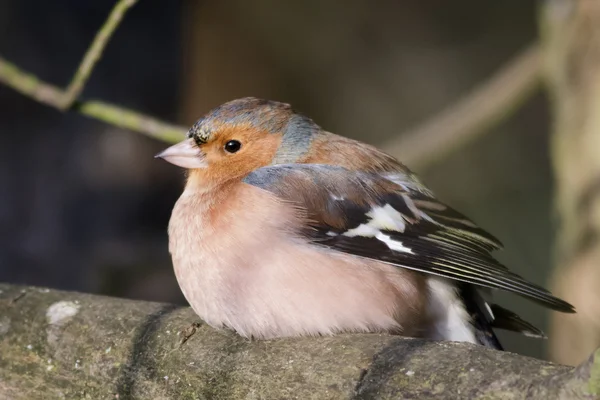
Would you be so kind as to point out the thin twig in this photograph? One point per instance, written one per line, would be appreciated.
(94, 52)
(30, 86)
(133, 120)
(488, 104)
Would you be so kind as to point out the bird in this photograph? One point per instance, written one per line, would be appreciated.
(285, 229)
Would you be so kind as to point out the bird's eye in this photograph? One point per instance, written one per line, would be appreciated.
(232, 146)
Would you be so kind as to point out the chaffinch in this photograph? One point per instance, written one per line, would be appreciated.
(285, 229)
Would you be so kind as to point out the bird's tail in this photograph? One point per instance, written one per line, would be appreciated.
(486, 316)
(508, 320)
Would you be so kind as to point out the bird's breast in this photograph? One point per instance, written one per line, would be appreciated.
(239, 264)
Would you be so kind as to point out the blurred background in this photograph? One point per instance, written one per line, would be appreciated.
(84, 206)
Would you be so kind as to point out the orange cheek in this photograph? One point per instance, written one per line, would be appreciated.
(258, 150)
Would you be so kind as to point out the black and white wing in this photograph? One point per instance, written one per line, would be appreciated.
(369, 215)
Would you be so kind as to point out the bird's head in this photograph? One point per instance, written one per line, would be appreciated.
(241, 136)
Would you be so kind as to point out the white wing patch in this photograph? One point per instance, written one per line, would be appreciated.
(365, 230)
(395, 245)
(382, 218)
(387, 217)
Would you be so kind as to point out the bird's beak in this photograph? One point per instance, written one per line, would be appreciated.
(184, 154)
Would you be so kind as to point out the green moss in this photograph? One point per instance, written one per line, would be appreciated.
(594, 381)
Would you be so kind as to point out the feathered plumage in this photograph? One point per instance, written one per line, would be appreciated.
(326, 234)
(370, 216)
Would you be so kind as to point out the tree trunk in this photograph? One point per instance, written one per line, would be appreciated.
(571, 41)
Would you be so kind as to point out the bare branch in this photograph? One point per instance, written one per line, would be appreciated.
(94, 52)
(488, 104)
(133, 120)
(30, 86)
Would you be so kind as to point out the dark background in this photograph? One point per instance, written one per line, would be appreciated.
(84, 206)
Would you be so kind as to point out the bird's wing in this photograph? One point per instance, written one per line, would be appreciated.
(369, 215)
